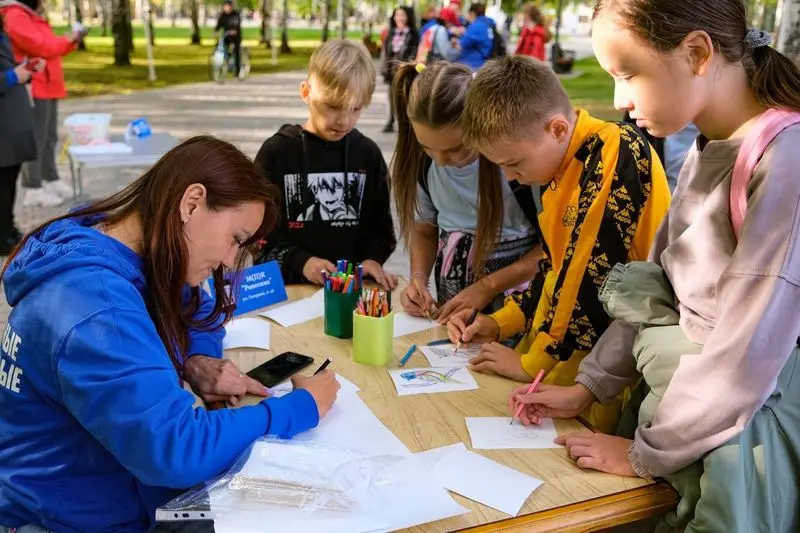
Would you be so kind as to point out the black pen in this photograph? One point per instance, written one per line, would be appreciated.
(323, 366)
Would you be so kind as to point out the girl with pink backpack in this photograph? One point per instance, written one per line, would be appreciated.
(710, 324)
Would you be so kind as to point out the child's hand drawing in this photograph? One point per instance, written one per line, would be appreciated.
(483, 329)
(549, 401)
(417, 300)
(501, 360)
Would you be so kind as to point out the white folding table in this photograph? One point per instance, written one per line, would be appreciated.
(145, 153)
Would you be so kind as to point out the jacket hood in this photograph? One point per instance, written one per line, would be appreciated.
(65, 245)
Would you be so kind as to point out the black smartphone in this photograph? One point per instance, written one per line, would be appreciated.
(280, 368)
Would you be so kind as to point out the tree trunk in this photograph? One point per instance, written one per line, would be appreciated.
(326, 19)
(105, 11)
(79, 19)
(195, 13)
(266, 23)
(285, 48)
(789, 31)
(149, 20)
(122, 33)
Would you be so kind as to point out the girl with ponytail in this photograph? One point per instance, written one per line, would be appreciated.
(460, 218)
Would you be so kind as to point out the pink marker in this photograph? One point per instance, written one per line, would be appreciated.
(536, 381)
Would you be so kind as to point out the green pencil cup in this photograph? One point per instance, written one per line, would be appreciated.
(339, 313)
(373, 339)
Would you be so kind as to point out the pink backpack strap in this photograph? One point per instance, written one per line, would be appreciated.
(767, 127)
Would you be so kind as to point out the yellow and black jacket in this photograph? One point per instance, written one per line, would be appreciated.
(602, 208)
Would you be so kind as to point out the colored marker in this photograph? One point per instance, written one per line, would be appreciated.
(439, 342)
(530, 390)
(408, 354)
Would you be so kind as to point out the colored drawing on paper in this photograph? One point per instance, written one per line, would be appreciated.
(426, 378)
(429, 380)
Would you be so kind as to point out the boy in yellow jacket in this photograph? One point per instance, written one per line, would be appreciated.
(601, 194)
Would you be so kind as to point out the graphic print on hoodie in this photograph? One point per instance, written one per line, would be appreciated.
(334, 200)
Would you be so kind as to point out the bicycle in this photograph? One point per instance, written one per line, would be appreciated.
(222, 61)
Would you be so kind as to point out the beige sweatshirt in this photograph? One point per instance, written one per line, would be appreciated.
(741, 301)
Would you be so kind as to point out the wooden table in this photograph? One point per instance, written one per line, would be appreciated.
(570, 500)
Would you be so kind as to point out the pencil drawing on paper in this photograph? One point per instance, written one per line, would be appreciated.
(449, 352)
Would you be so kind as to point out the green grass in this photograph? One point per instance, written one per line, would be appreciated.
(593, 90)
(180, 35)
(92, 72)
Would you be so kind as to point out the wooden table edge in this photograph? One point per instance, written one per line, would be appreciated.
(592, 515)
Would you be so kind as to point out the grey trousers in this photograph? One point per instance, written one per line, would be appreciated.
(45, 119)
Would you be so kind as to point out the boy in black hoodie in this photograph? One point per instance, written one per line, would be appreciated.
(334, 180)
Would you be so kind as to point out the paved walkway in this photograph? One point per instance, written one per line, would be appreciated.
(243, 113)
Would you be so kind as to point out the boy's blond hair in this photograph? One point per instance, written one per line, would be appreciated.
(509, 99)
(345, 73)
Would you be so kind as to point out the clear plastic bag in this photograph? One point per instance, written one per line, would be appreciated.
(287, 477)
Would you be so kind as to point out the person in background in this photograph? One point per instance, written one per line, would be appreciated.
(436, 43)
(96, 428)
(535, 35)
(457, 8)
(32, 37)
(230, 22)
(17, 132)
(400, 46)
(476, 40)
(428, 19)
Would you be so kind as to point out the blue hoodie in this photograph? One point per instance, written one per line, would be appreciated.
(95, 430)
(476, 43)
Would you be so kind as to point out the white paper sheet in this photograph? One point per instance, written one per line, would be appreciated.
(298, 312)
(495, 433)
(405, 324)
(429, 380)
(351, 424)
(446, 354)
(347, 387)
(247, 333)
(478, 478)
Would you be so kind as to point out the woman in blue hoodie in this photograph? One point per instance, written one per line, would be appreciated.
(476, 39)
(108, 320)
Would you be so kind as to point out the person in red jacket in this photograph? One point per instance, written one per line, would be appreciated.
(535, 34)
(31, 36)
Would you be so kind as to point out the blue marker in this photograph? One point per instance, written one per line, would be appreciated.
(437, 343)
(408, 354)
